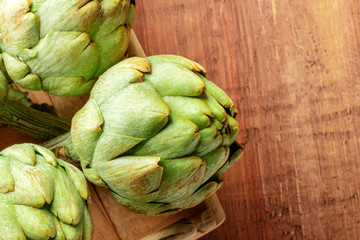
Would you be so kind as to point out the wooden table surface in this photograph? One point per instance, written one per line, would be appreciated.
(293, 69)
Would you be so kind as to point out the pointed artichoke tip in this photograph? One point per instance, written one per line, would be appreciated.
(234, 111)
(201, 69)
(140, 64)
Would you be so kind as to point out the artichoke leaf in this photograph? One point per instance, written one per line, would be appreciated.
(73, 232)
(112, 145)
(30, 81)
(48, 155)
(86, 130)
(22, 152)
(7, 183)
(114, 14)
(234, 129)
(210, 139)
(137, 63)
(131, 176)
(67, 86)
(142, 111)
(92, 174)
(236, 152)
(130, 17)
(178, 60)
(104, 89)
(36, 223)
(74, 15)
(226, 139)
(77, 178)
(9, 226)
(33, 185)
(196, 198)
(112, 48)
(15, 68)
(216, 108)
(60, 235)
(141, 207)
(194, 109)
(21, 28)
(66, 54)
(177, 139)
(214, 161)
(220, 96)
(170, 79)
(67, 204)
(217, 123)
(88, 225)
(181, 178)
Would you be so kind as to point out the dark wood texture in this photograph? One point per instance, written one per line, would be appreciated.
(293, 68)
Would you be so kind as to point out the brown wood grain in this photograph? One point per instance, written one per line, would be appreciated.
(292, 68)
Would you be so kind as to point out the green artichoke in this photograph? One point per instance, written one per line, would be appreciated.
(61, 46)
(42, 197)
(156, 132)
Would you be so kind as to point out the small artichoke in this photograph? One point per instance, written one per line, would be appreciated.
(41, 197)
(157, 133)
(61, 46)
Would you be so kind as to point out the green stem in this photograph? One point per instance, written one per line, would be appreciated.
(33, 122)
(63, 147)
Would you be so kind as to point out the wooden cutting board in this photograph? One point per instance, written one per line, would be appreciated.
(111, 220)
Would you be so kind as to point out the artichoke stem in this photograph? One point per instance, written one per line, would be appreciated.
(33, 122)
(63, 148)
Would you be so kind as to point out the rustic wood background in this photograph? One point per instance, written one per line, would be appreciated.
(293, 68)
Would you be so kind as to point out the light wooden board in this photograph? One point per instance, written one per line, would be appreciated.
(111, 220)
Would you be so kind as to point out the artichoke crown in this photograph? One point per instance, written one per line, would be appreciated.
(41, 197)
(157, 133)
(61, 46)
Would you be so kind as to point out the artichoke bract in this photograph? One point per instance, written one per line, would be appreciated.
(61, 47)
(157, 133)
(42, 197)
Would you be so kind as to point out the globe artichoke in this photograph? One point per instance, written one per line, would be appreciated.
(41, 197)
(156, 132)
(62, 46)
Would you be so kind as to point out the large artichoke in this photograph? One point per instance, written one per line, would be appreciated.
(61, 46)
(41, 197)
(156, 132)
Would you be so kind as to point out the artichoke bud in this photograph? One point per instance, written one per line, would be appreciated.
(157, 133)
(61, 47)
(41, 197)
